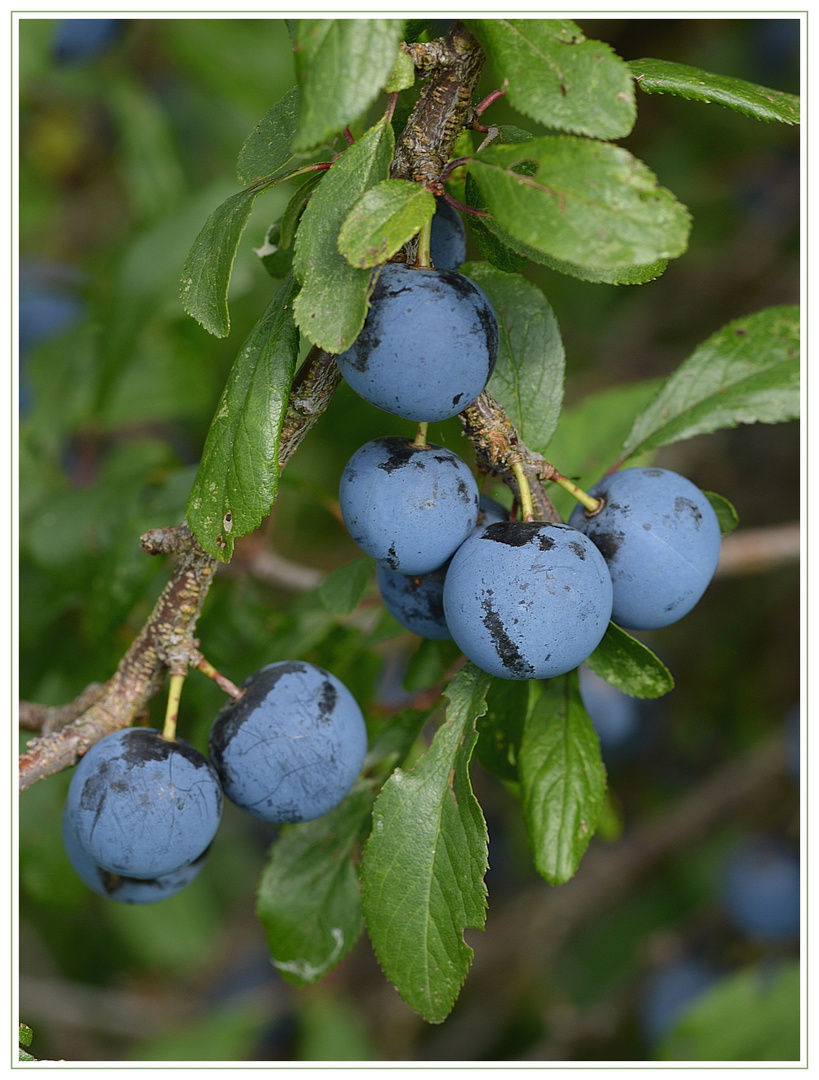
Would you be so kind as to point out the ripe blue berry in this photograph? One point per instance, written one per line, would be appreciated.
(416, 601)
(670, 990)
(292, 746)
(428, 345)
(79, 40)
(661, 539)
(761, 891)
(126, 890)
(614, 715)
(527, 600)
(447, 242)
(408, 507)
(143, 806)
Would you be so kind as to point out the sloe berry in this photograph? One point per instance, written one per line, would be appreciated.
(408, 507)
(416, 601)
(527, 600)
(126, 890)
(292, 746)
(428, 345)
(661, 539)
(447, 242)
(143, 806)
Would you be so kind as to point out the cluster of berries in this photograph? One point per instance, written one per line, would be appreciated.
(522, 599)
(142, 810)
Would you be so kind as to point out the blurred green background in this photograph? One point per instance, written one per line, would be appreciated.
(127, 141)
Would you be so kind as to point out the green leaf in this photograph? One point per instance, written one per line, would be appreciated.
(308, 898)
(500, 728)
(666, 77)
(629, 665)
(529, 373)
(268, 147)
(332, 305)
(342, 65)
(239, 473)
(26, 1035)
(423, 865)
(206, 275)
(343, 587)
(588, 203)
(492, 247)
(558, 77)
(383, 220)
(745, 373)
(726, 512)
(402, 76)
(750, 1015)
(562, 778)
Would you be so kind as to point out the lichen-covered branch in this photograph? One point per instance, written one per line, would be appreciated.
(444, 106)
(166, 643)
(498, 448)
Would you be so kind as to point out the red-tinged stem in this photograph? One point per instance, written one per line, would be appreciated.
(489, 99)
(222, 681)
(464, 209)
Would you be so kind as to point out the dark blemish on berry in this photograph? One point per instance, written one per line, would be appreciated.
(400, 453)
(578, 549)
(608, 543)
(510, 655)
(682, 504)
(514, 533)
(327, 700)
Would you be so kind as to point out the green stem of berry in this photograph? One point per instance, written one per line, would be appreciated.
(172, 709)
(591, 504)
(423, 259)
(420, 439)
(525, 492)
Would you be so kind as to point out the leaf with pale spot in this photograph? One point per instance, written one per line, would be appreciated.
(308, 900)
(238, 475)
(629, 665)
